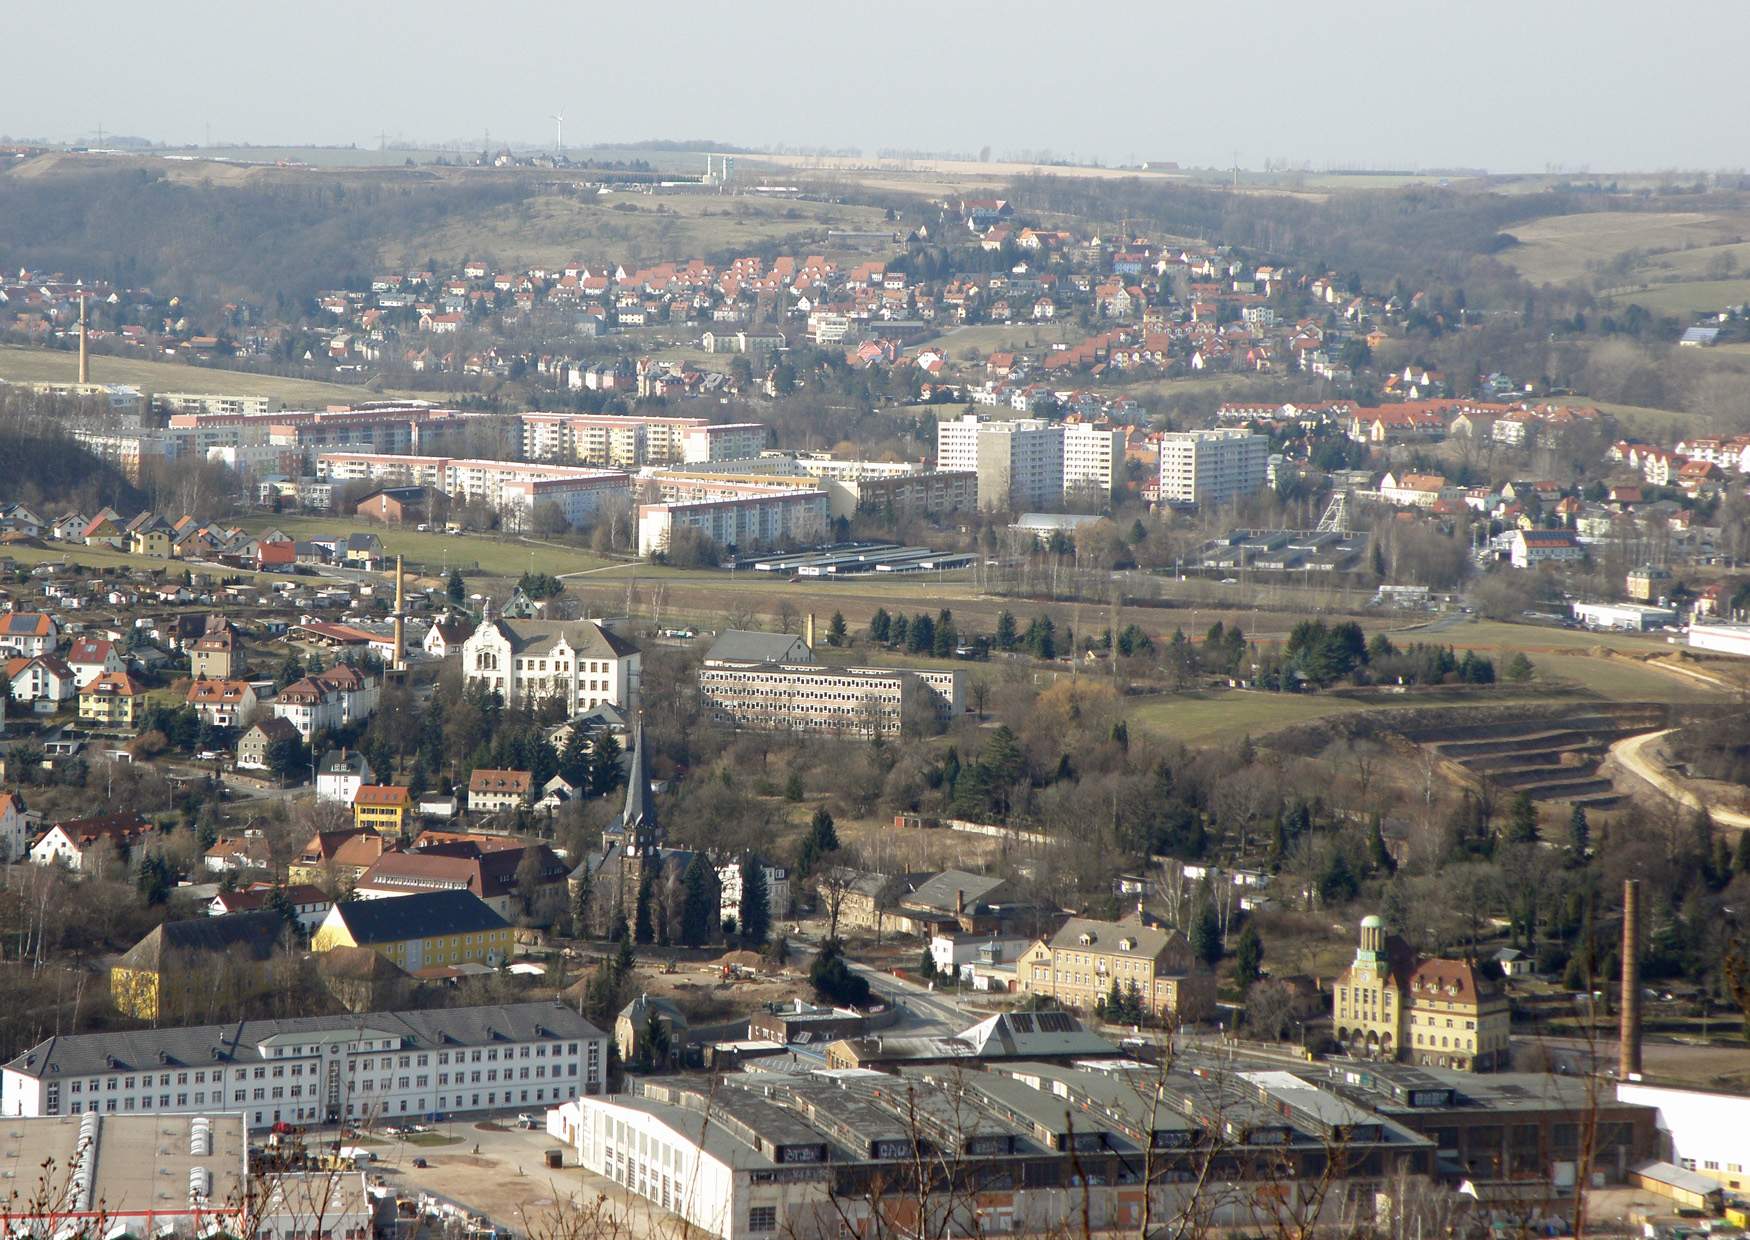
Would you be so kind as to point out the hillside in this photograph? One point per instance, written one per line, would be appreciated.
(25, 365)
(46, 471)
(196, 228)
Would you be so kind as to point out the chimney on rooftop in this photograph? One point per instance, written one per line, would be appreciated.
(1629, 1051)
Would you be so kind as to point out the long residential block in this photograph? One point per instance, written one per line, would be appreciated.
(318, 1069)
(513, 488)
(818, 698)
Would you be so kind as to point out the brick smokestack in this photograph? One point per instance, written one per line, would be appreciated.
(1629, 1051)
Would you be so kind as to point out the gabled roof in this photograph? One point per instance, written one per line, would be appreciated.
(417, 917)
(588, 638)
(749, 646)
(255, 934)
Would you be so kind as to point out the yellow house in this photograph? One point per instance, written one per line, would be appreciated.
(155, 543)
(1079, 965)
(113, 700)
(433, 930)
(178, 971)
(382, 808)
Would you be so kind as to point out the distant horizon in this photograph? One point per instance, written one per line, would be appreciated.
(138, 143)
(1495, 84)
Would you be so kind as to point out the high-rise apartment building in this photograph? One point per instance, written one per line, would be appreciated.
(1212, 466)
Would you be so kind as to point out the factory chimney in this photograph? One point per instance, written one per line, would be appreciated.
(84, 356)
(399, 663)
(1629, 1058)
(808, 631)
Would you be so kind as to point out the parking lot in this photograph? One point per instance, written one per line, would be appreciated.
(501, 1172)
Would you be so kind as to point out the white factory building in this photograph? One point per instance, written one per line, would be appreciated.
(1720, 637)
(1702, 1130)
(1628, 617)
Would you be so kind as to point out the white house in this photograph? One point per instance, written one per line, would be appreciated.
(729, 888)
(27, 633)
(71, 843)
(91, 657)
(222, 703)
(1529, 548)
(41, 678)
(340, 774)
(309, 707)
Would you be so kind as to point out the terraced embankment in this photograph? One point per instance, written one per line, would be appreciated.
(1549, 756)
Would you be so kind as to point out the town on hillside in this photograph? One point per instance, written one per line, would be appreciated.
(559, 687)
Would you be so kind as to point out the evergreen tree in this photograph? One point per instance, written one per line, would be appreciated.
(642, 929)
(580, 893)
(699, 903)
(1379, 857)
(756, 911)
(880, 625)
(1206, 937)
(793, 786)
(921, 638)
(946, 639)
(1522, 820)
(1006, 636)
(822, 832)
(1133, 1003)
(835, 629)
(455, 590)
(605, 771)
(1112, 1003)
(1338, 885)
(1741, 859)
(1248, 957)
(1579, 834)
(625, 959)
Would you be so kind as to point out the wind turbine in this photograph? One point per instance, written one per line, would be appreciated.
(558, 134)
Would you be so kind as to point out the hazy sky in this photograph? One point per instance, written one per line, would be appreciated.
(1511, 85)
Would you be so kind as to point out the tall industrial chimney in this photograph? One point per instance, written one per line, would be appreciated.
(808, 631)
(84, 357)
(1629, 1053)
(400, 661)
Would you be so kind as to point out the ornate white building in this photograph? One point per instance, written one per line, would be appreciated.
(578, 661)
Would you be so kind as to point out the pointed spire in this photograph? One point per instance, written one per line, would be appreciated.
(638, 820)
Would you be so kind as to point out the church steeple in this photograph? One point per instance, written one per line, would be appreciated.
(638, 824)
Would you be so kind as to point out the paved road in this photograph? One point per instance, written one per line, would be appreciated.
(922, 1012)
(1628, 754)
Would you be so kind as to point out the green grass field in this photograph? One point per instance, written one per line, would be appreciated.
(105, 558)
(434, 552)
(1560, 248)
(53, 365)
(1228, 715)
(1689, 298)
(991, 338)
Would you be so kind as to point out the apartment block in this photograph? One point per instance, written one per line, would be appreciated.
(1093, 458)
(822, 699)
(629, 443)
(512, 488)
(318, 1069)
(745, 518)
(1212, 466)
